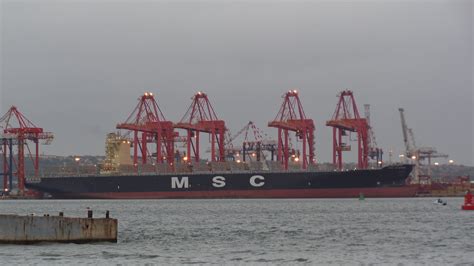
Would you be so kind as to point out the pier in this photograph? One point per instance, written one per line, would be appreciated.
(30, 229)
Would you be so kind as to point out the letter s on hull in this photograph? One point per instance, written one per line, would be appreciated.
(179, 183)
(257, 181)
(218, 181)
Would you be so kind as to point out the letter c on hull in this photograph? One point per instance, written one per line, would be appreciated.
(257, 181)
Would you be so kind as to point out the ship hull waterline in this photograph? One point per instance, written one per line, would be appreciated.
(395, 192)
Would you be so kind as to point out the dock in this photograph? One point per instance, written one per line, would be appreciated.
(31, 229)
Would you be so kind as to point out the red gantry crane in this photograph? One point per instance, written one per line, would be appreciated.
(200, 117)
(22, 130)
(6, 148)
(291, 117)
(347, 118)
(148, 120)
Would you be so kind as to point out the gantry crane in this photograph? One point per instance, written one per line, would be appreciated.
(6, 149)
(346, 118)
(254, 147)
(201, 117)
(148, 119)
(418, 154)
(291, 117)
(375, 153)
(21, 130)
(254, 143)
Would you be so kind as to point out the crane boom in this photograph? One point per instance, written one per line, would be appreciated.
(404, 131)
(242, 130)
(418, 154)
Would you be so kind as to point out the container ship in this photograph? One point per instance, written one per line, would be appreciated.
(152, 160)
(388, 181)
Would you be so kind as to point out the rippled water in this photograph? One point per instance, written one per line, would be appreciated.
(314, 231)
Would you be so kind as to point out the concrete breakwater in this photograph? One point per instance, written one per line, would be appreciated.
(30, 229)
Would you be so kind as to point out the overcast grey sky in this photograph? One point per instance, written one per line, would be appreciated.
(77, 67)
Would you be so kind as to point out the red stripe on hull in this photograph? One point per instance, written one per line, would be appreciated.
(393, 192)
(468, 207)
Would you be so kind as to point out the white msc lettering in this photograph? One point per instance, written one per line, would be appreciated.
(254, 183)
(218, 181)
(179, 183)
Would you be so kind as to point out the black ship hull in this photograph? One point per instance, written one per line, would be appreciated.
(385, 182)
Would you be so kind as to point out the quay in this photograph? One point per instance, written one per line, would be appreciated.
(31, 229)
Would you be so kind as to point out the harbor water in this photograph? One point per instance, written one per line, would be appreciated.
(271, 231)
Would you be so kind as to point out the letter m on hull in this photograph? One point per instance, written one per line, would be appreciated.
(177, 182)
